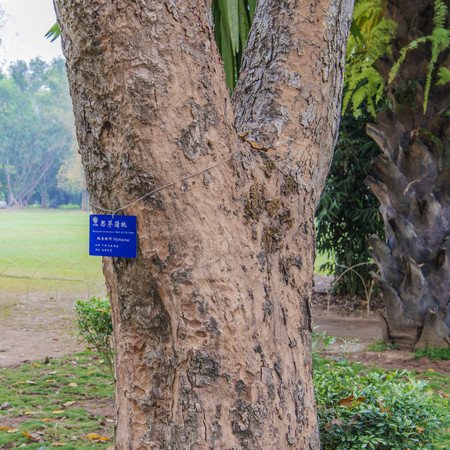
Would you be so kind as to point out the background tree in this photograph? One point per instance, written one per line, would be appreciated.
(70, 176)
(212, 319)
(36, 128)
(412, 179)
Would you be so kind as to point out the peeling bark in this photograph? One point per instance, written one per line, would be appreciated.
(212, 320)
(412, 181)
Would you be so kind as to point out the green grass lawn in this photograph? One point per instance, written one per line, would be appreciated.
(45, 244)
(60, 402)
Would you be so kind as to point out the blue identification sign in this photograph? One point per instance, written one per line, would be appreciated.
(112, 236)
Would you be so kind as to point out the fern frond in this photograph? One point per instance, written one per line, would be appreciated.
(440, 13)
(411, 46)
(443, 76)
(362, 80)
(440, 41)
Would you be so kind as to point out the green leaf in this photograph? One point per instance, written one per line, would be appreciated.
(233, 23)
(252, 6)
(244, 25)
(53, 33)
(356, 32)
(227, 55)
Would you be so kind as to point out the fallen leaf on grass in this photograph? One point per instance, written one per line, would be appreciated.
(91, 371)
(27, 413)
(97, 438)
(5, 428)
(35, 365)
(420, 429)
(73, 384)
(30, 382)
(57, 444)
(53, 373)
(13, 430)
(93, 436)
(68, 403)
(46, 420)
(58, 411)
(431, 370)
(27, 435)
(49, 381)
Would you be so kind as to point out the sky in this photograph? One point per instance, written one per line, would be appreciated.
(22, 35)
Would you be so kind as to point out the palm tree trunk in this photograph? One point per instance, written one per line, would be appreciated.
(412, 181)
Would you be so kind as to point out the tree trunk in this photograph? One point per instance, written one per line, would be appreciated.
(412, 182)
(85, 206)
(11, 198)
(44, 202)
(212, 320)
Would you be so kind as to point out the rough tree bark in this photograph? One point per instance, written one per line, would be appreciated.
(212, 320)
(412, 181)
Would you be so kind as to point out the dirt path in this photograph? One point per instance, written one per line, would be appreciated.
(356, 325)
(35, 327)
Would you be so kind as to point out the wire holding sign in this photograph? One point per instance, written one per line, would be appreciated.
(162, 187)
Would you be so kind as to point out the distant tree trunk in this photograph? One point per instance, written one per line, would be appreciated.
(11, 198)
(44, 201)
(85, 201)
(412, 182)
(212, 320)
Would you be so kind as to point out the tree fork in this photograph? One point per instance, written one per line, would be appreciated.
(212, 320)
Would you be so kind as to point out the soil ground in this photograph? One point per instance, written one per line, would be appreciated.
(35, 327)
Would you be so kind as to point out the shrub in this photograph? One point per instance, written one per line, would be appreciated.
(95, 327)
(321, 342)
(70, 206)
(377, 410)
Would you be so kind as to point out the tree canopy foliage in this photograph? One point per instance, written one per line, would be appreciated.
(36, 133)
